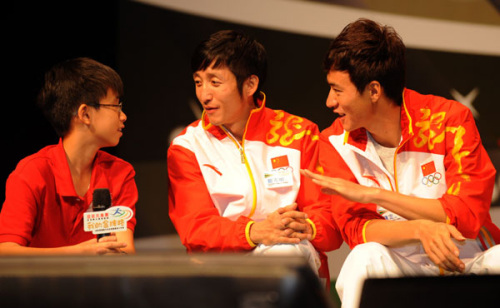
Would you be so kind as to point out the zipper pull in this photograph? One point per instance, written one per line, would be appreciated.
(242, 156)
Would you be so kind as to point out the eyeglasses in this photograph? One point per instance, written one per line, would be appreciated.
(119, 105)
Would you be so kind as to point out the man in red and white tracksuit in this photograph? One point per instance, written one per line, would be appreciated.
(235, 182)
(411, 183)
(436, 135)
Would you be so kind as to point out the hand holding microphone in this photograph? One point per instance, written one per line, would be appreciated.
(101, 201)
(105, 222)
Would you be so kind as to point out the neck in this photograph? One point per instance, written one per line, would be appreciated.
(237, 129)
(80, 158)
(386, 129)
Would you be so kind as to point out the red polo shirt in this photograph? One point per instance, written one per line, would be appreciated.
(42, 208)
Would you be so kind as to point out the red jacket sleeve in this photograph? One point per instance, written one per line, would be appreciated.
(470, 175)
(191, 209)
(311, 201)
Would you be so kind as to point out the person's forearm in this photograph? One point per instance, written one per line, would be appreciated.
(409, 207)
(436, 239)
(406, 206)
(10, 248)
(391, 233)
(128, 238)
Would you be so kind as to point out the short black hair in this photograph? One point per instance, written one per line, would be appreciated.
(369, 51)
(71, 83)
(241, 54)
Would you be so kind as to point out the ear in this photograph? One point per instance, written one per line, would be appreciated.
(250, 85)
(83, 113)
(374, 90)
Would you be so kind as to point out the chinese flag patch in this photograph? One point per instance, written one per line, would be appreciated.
(281, 161)
(428, 168)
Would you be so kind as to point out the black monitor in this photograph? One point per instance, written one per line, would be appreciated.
(160, 280)
(448, 291)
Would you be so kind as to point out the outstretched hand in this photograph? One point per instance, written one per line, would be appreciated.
(338, 186)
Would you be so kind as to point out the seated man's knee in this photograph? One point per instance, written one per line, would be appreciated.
(369, 249)
(284, 249)
(492, 260)
(367, 252)
(303, 249)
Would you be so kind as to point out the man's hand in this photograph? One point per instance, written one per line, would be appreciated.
(106, 245)
(437, 239)
(338, 186)
(285, 225)
(295, 222)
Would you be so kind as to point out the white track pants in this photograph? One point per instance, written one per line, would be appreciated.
(304, 249)
(373, 260)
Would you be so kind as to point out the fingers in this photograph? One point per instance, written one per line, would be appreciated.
(295, 221)
(107, 238)
(328, 191)
(328, 185)
(280, 237)
(288, 208)
(109, 245)
(306, 173)
(294, 215)
(441, 249)
(286, 225)
(297, 227)
(290, 236)
(283, 217)
(450, 247)
(445, 257)
(300, 236)
(287, 240)
(319, 179)
(300, 229)
(292, 232)
(310, 174)
(110, 248)
(456, 234)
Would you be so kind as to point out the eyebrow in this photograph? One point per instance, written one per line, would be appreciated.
(209, 75)
(333, 84)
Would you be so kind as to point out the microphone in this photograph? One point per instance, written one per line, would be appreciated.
(101, 201)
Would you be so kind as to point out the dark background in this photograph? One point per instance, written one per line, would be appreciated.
(151, 49)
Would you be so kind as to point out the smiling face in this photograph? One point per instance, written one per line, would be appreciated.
(354, 109)
(217, 91)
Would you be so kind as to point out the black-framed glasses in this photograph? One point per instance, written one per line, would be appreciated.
(119, 105)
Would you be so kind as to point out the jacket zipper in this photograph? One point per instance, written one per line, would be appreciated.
(249, 171)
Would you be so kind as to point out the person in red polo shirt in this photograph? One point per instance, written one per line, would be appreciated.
(49, 192)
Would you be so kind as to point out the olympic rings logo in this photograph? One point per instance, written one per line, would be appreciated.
(431, 179)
